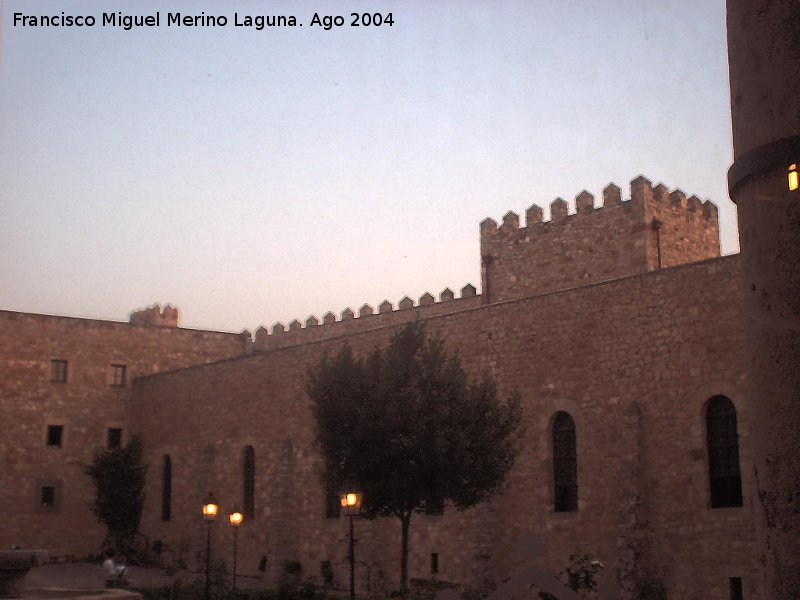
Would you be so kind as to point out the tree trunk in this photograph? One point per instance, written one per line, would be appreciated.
(404, 521)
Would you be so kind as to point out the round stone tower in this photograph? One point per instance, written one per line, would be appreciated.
(764, 52)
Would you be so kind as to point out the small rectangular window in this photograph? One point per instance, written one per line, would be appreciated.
(55, 436)
(333, 505)
(736, 588)
(58, 371)
(565, 464)
(434, 563)
(292, 567)
(48, 496)
(566, 498)
(118, 375)
(326, 572)
(114, 437)
(333, 502)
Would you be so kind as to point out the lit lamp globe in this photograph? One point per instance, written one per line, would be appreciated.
(351, 501)
(210, 508)
(236, 518)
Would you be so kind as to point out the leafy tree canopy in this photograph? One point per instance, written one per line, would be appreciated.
(406, 426)
(119, 475)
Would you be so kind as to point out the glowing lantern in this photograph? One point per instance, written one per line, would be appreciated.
(210, 508)
(351, 501)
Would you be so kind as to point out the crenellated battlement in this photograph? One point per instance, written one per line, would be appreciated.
(612, 237)
(155, 316)
(367, 318)
(600, 240)
(643, 193)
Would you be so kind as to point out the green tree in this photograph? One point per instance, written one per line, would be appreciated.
(118, 475)
(407, 427)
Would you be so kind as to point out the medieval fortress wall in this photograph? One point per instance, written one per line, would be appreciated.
(633, 360)
(621, 315)
(86, 402)
(312, 330)
(652, 229)
(616, 239)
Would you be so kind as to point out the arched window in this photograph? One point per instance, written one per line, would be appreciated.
(249, 477)
(565, 464)
(166, 489)
(724, 476)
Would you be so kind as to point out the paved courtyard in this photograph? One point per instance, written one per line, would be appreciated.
(42, 582)
(90, 576)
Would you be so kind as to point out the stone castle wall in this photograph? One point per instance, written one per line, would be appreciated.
(632, 360)
(597, 314)
(368, 318)
(616, 239)
(86, 406)
(681, 230)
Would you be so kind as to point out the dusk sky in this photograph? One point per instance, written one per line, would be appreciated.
(250, 177)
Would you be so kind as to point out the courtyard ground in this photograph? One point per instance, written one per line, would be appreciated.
(76, 576)
(84, 576)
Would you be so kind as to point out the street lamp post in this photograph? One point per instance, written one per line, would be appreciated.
(210, 509)
(236, 518)
(351, 501)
